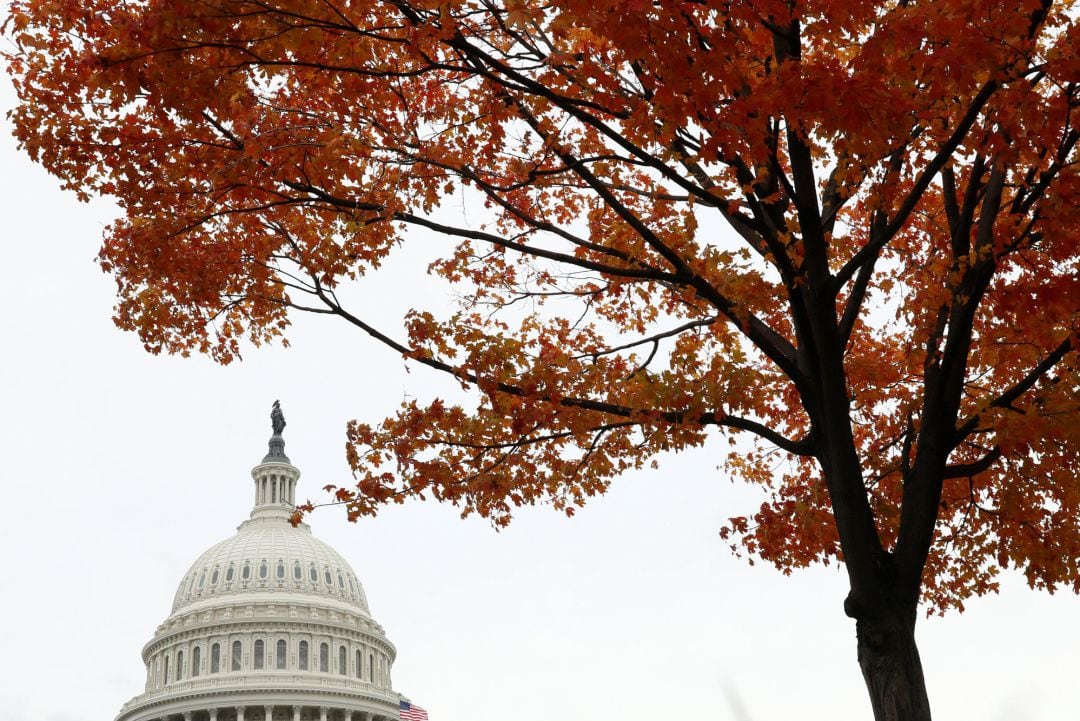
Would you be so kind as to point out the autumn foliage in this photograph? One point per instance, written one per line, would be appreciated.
(845, 229)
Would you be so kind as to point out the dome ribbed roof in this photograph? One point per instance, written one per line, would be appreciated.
(269, 554)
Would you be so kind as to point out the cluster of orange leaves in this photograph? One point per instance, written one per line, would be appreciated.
(266, 152)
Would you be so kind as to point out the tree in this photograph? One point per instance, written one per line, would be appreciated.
(844, 229)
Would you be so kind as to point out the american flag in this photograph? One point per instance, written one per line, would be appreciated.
(412, 712)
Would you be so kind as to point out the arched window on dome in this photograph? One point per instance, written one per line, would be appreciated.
(246, 572)
(165, 673)
(273, 490)
(341, 581)
(264, 569)
(196, 661)
(313, 574)
(352, 585)
(257, 662)
(282, 651)
(326, 577)
(297, 571)
(202, 579)
(303, 655)
(280, 569)
(371, 667)
(359, 665)
(324, 657)
(229, 573)
(214, 577)
(215, 658)
(237, 652)
(180, 665)
(342, 661)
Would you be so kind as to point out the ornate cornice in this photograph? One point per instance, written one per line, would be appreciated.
(364, 695)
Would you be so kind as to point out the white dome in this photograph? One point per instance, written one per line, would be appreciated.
(270, 624)
(269, 555)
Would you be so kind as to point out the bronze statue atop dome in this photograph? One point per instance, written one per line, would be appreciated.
(277, 418)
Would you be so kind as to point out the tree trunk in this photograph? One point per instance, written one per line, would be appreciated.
(891, 667)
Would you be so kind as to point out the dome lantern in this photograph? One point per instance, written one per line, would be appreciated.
(275, 478)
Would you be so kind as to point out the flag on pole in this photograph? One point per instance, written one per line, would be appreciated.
(412, 712)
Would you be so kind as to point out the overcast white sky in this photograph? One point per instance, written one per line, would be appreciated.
(120, 468)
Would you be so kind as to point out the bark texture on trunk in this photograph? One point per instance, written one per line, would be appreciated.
(891, 667)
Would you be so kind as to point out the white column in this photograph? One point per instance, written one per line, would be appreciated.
(239, 713)
(268, 713)
(187, 716)
(213, 714)
(296, 713)
(322, 713)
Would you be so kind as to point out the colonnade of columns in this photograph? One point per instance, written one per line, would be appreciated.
(271, 489)
(268, 714)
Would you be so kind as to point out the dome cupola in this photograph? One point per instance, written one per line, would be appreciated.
(270, 624)
(275, 478)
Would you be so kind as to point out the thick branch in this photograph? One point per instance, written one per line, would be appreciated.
(921, 184)
(967, 470)
(1006, 399)
(800, 447)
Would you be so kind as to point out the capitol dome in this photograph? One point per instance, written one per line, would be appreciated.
(270, 624)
